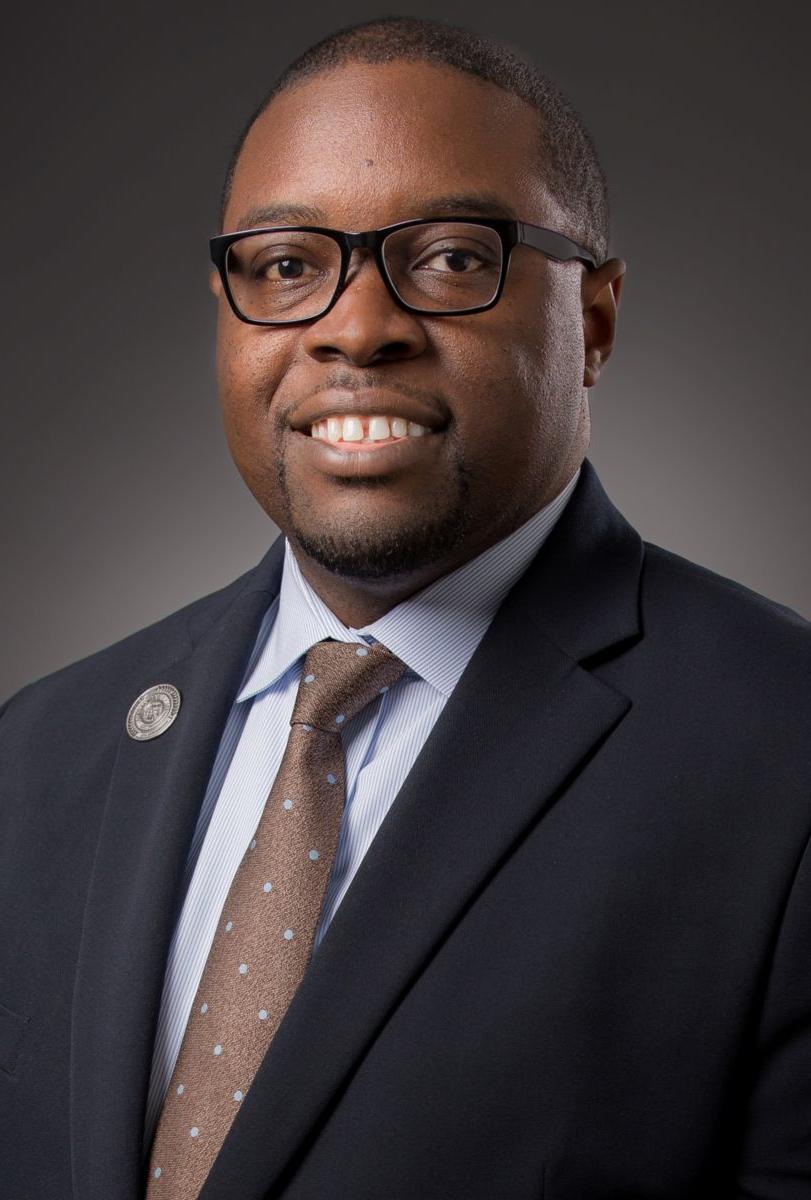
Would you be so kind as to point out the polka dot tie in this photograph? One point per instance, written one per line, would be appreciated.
(265, 934)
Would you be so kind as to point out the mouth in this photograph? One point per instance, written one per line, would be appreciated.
(369, 417)
(358, 446)
(355, 432)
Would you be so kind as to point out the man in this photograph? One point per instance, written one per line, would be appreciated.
(459, 849)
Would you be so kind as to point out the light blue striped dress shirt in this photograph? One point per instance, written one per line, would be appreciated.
(434, 632)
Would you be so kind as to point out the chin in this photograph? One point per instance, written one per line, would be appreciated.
(381, 554)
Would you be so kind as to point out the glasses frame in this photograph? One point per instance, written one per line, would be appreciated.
(512, 233)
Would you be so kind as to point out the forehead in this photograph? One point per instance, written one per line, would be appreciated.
(367, 145)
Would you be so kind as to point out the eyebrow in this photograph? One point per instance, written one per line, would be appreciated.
(473, 204)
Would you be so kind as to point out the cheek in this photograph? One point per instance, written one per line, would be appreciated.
(526, 371)
(530, 352)
(549, 356)
(250, 364)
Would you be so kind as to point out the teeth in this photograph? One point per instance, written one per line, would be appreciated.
(370, 429)
(352, 429)
(378, 429)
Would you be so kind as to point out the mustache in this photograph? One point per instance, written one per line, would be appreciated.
(367, 380)
(370, 380)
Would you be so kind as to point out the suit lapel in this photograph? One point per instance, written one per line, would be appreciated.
(152, 808)
(524, 718)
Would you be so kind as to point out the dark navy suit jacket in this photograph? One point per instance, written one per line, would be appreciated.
(575, 963)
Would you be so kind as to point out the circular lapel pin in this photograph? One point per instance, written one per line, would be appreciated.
(153, 712)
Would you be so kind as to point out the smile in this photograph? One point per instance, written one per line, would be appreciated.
(360, 431)
(371, 459)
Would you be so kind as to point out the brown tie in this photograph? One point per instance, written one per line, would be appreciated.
(265, 933)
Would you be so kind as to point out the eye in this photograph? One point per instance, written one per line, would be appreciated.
(289, 268)
(275, 261)
(282, 268)
(456, 259)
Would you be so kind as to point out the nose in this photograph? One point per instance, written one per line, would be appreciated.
(365, 325)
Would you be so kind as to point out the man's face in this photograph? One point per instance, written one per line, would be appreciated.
(500, 392)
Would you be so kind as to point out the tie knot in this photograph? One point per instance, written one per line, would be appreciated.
(341, 678)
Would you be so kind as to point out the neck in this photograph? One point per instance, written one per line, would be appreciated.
(357, 603)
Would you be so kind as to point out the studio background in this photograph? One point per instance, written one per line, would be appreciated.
(120, 502)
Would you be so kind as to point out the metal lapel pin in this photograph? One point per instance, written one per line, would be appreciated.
(153, 712)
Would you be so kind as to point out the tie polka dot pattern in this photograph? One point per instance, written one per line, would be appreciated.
(265, 935)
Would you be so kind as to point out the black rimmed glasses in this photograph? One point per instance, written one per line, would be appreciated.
(441, 268)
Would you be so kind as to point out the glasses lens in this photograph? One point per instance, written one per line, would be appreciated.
(283, 275)
(445, 265)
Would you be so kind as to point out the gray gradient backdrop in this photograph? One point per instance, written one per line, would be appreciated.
(120, 502)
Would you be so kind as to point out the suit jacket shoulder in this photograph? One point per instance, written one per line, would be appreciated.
(81, 691)
(716, 628)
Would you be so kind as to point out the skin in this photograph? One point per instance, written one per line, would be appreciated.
(504, 391)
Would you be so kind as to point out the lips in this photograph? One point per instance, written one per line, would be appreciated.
(368, 457)
(366, 460)
(391, 404)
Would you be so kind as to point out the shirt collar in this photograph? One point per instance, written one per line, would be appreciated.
(434, 632)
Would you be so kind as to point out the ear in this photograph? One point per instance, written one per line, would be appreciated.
(600, 295)
(214, 282)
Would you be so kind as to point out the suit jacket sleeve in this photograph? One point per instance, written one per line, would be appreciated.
(776, 1157)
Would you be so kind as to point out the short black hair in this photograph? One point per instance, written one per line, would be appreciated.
(571, 168)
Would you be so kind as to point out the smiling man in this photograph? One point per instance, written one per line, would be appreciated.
(389, 443)
(458, 851)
